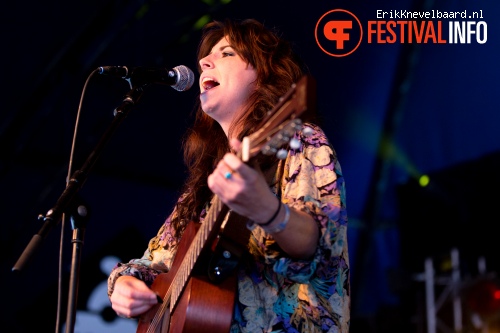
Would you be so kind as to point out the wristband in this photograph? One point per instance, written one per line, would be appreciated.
(272, 217)
(281, 226)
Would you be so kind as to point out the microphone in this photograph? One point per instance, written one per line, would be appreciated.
(181, 78)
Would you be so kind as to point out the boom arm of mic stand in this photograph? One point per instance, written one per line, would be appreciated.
(54, 215)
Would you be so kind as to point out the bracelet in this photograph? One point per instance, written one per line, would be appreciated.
(272, 217)
(281, 226)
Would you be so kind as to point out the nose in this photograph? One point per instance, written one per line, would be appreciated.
(206, 62)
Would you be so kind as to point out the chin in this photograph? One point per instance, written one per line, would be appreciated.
(208, 110)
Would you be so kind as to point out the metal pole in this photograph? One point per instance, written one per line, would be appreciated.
(429, 298)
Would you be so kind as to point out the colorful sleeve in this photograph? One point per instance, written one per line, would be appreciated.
(156, 259)
(313, 183)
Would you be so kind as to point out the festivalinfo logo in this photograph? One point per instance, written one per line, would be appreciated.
(339, 32)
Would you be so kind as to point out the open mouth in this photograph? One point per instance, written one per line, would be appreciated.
(209, 83)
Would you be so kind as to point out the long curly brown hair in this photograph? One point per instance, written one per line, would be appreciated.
(277, 67)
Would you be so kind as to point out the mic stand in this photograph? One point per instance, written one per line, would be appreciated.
(79, 220)
(76, 182)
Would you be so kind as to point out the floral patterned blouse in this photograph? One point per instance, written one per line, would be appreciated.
(279, 293)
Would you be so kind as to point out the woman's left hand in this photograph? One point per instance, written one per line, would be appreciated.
(245, 191)
(242, 188)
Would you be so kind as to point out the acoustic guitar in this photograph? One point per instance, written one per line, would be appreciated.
(198, 301)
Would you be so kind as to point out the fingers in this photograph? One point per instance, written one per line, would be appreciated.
(235, 144)
(241, 187)
(132, 310)
(226, 169)
(234, 181)
(230, 169)
(133, 287)
(232, 162)
(132, 297)
(228, 174)
(237, 167)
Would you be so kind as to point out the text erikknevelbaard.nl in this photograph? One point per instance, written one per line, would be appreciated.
(404, 26)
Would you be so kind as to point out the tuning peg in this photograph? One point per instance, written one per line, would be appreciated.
(294, 143)
(282, 154)
(307, 131)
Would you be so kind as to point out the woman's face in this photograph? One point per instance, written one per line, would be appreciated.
(226, 82)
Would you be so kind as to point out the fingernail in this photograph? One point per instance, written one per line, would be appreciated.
(159, 299)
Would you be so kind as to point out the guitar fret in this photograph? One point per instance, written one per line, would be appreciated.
(157, 318)
(194, 251)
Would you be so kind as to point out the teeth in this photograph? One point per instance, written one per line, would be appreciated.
(207, 79)
(212, 83)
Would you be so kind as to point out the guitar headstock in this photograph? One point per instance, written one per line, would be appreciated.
(282, 121)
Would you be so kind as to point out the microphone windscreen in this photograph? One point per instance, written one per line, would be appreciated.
(185, 78)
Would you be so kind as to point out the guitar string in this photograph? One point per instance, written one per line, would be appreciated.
(297, 91)
(186, 267)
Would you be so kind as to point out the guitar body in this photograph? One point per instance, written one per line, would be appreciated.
(203, 307)
(202, 292)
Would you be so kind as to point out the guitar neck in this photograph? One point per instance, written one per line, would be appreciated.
(278, 127)
(213, 220)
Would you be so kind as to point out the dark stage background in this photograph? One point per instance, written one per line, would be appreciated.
(394, 112)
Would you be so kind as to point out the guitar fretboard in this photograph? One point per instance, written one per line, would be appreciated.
(214, 217)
